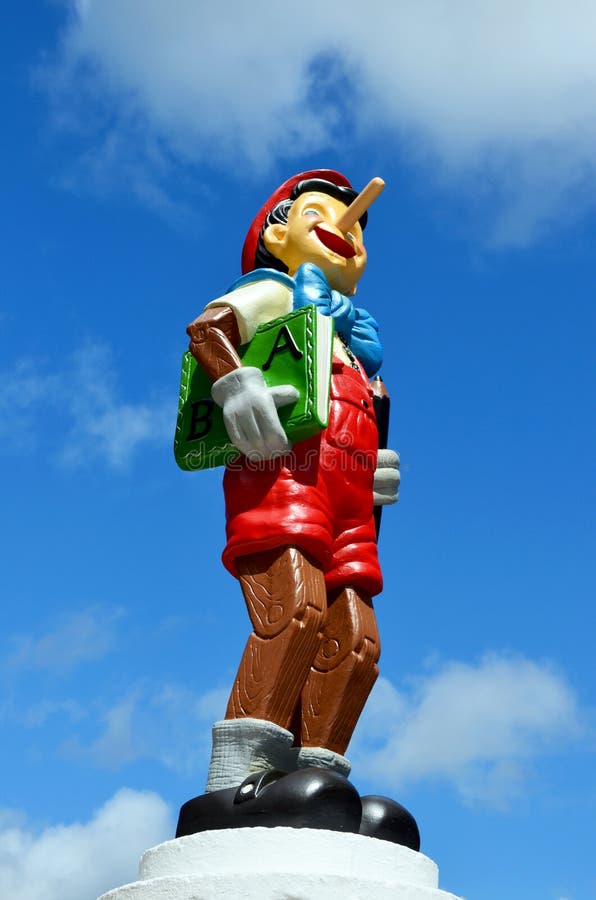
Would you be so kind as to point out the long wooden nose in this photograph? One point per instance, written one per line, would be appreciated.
(360, 204)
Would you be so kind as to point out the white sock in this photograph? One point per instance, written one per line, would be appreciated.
(244, 746)
(320, 756)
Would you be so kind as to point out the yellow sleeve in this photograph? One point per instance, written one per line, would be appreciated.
(256, 303)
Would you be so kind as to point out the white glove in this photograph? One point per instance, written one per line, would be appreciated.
(250, 412)
(386, 481)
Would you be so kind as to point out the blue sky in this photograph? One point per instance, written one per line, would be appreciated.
(137, 147)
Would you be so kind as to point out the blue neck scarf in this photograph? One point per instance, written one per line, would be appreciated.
(357, 328)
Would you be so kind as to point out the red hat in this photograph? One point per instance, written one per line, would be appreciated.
(282, 193)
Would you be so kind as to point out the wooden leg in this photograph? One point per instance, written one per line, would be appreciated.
(286, 600)
(343, 673)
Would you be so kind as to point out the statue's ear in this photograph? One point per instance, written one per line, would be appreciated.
(274, 237)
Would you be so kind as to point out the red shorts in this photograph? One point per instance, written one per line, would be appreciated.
(318, 497)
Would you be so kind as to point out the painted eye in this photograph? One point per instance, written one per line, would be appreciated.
(311, 212)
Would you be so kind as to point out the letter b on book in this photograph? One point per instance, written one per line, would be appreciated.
(293, 349)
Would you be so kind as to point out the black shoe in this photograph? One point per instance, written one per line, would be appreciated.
(387, 820)
(307, 798)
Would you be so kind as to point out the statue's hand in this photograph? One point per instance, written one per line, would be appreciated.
(250, 412)
(386, 481)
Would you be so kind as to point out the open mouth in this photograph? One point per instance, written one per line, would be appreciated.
(335, 242)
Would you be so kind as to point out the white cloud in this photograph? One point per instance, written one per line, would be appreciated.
(99, 424)
(103, 425)
(21, 390)
(82, 860)
(474, 727)
(169, 724)
(502, 92)
(38, 714)
(120, 742)
(77, 638)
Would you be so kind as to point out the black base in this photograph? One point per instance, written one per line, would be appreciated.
(307, 798)
(387, 820)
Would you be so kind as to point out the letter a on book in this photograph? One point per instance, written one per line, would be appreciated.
(293, 349)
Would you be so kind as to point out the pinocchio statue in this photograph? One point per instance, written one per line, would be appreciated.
(300, 490)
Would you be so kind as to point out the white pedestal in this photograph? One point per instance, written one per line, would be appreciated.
(282, 864)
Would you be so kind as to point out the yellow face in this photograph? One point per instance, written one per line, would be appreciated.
(310, 235)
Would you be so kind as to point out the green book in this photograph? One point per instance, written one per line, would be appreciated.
(293, 349)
